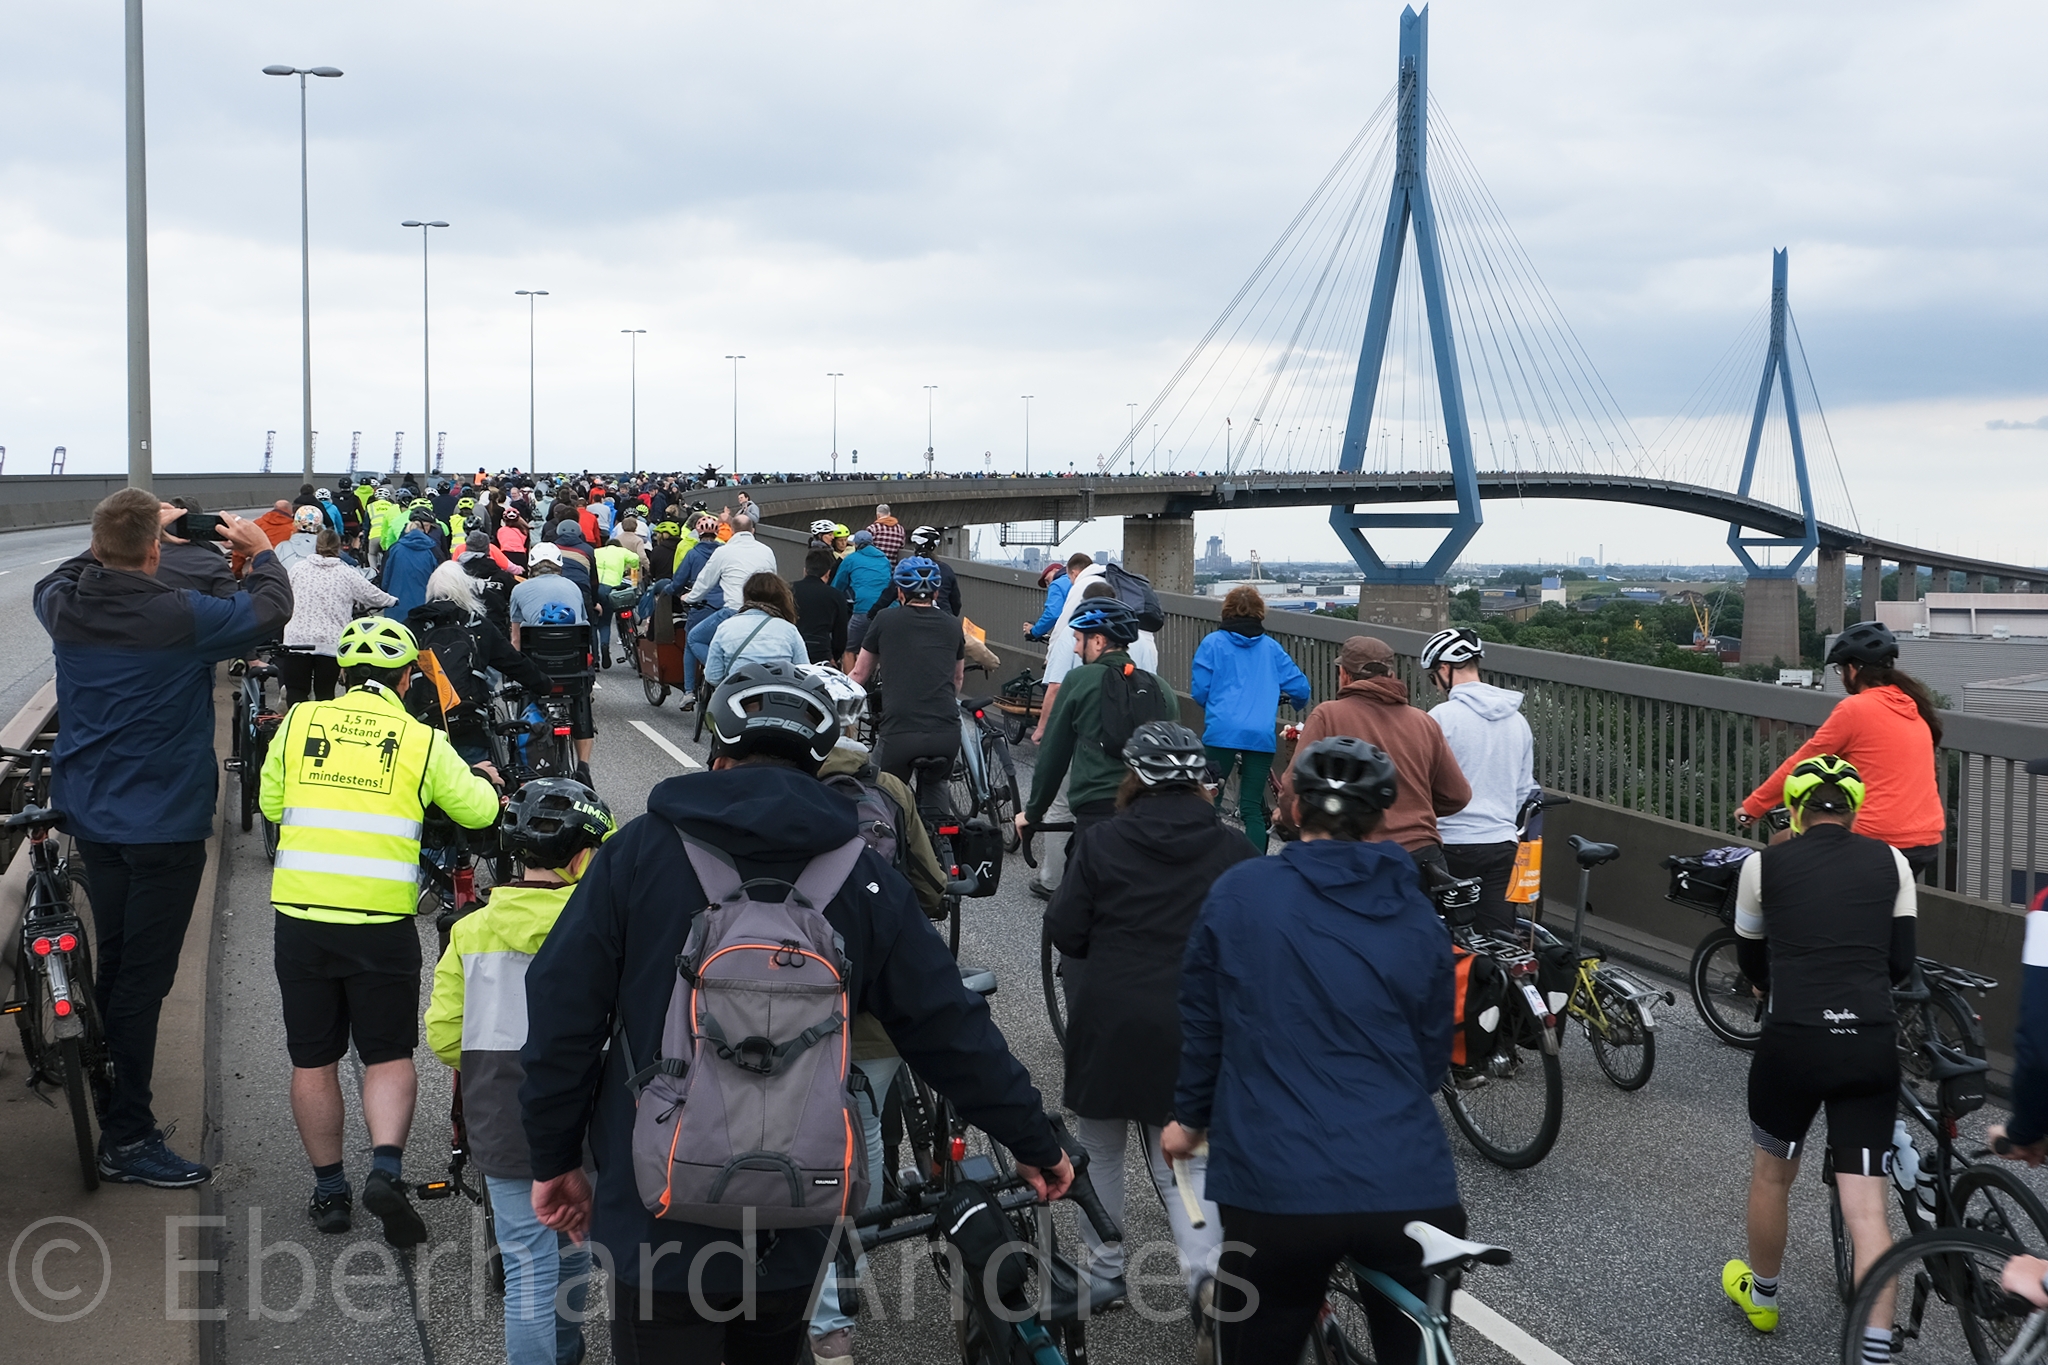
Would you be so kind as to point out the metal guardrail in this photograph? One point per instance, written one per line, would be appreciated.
(1684, 746)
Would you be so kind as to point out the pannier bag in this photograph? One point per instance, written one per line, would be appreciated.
(744, 1117)
(978, 852)
(1707, 882)
(1480, 996)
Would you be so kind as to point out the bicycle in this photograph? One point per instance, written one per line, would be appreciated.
(63, 1040)
(458, 1183)
(986, 774)
(1448, 1260)
(931, 782)
(255, 723)
(1957, 1269)
(1051, 965)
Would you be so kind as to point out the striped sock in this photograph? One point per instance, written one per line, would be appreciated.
(329, 1181)
(1877, 1346)
(1764, 1292)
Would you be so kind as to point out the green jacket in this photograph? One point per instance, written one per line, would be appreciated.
(1073, 736)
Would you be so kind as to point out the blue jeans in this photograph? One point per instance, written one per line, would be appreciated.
(881, 1074)
(538, 1261)
(697, 645)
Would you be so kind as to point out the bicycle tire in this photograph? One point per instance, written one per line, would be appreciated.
(494, 1255)
(1843, 1251)
(71, 1053)
(1944, 1017)
(1329, 1343)
(1501, 1117)
(1721, 993)
(1626, 1047)
(1054, 982)
(1993, 1199)
(1947, 1282)
(953, 926)
(98, 1065)
(250, 772)
(654, 689)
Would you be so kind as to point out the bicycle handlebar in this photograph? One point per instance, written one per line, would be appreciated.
(1024, 843)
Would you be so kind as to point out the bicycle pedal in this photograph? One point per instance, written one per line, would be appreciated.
(434, 1189)
(233, 765)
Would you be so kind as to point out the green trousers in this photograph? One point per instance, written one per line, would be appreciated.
(1251, 787)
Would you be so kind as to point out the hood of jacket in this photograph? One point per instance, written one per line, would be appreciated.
(1386, 691)
(1372, 879)
(887, 521)
(1487, 701)
(1892, 699)
(760, 811)
(1243, 631)
(849, 757)
(1180, 828)
(434, 615)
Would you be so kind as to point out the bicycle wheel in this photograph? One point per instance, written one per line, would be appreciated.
(1510, 1109)
(1946, 1299)
(1341, 1335)
(1995, 1200)
(1722, 993)
(249, 775)
(71, 1053)
(1051, 973)
(655, 690)
(1625, 1046)
(1838, 1236)
(1002, 787)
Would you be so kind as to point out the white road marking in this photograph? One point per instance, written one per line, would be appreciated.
(1501, 1332)
(673, 752)
(58, 560)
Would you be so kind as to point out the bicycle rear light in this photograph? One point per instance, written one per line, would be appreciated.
(62, 1008)
(959, 1149)
(66, 942)
(42, 947)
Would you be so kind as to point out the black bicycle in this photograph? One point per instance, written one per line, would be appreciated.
(985, 775)
(256, 720)
(1051, 965)
(63, 1039)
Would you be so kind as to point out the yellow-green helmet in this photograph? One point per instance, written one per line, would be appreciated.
(668, 528)
(1819, 771)
(377, 641)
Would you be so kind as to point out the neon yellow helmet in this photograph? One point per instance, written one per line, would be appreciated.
(465, 502)
(377, 641)
(1819, 771)
(668, 528)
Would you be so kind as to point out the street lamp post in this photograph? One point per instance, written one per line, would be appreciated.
(835, 376)
(633, 335)
(139, 456)
(529, 295)
(426, 350)
(1027, 433)
(929, 390)
(305, 257)
(735, 359)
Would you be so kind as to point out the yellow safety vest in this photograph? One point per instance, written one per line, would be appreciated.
(356, 775)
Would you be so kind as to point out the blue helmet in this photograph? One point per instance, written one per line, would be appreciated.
(1109, 616)
(557, 614)
(918, 577)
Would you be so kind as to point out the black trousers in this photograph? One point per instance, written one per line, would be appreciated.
(1492, 864)
(308, 676)
(142, 897)
(1286, 1270)
(667, 1329)
(897, 751)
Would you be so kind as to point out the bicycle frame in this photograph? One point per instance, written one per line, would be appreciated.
(1432, 1318)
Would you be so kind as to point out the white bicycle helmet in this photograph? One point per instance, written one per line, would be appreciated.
(849, 698)
(309, 519)
(1458, 645)
(824, 528)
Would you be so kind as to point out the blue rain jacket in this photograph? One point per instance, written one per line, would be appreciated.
(1238, 681)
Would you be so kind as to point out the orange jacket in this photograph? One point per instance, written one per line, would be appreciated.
(1880, 731)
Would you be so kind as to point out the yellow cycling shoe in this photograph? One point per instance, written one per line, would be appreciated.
(1736, 1278)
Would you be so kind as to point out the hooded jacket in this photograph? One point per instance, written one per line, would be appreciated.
(408, 564)
(1238, 681)
(609, 964)
(1316, 1022)
(1073, 736)
(1121, 916)
(863, 576)
(1377, 711)
(1880, 731)
(890, 538)
(1483, 724)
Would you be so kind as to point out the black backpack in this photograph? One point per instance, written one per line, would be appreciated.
(1130, 697)
(1134, 590)
(450, 663)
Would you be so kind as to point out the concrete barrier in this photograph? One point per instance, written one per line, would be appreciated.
(28, 500)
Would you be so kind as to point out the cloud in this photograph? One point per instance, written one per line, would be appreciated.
(2000, 424)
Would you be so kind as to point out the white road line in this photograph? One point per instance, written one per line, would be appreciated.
(1499, 1330)
(58, 560)
(673, 752)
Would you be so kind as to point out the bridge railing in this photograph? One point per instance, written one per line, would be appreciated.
(1685, 747)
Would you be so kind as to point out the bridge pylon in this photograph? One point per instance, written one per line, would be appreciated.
(1410, 208)
(1770, 613)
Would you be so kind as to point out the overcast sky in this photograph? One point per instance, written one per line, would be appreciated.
(1052, 199)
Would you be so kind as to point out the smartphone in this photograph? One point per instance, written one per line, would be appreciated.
(202, 526)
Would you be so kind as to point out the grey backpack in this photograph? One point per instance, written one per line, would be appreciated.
(744, 1117)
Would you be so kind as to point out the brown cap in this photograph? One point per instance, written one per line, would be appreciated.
(1363, 654)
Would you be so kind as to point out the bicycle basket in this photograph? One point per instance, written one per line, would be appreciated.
(558, 651)
(1702, 885)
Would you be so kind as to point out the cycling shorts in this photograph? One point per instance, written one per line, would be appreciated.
(343, 981)
(1795, 1071)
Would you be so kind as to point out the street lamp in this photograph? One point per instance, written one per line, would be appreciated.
(1131, 441)
(835, 376)
(735, 359)
(529, 295)
(139, 456)
(929, 390)
(426, 350)
(1027, 433)
(633, 335)
(305, 256)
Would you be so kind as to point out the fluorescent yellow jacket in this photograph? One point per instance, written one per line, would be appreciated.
(381, 512)
(348, 782)
(615, 564)
(456, 523)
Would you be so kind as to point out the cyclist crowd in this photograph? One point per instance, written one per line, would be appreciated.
(1220, 1012)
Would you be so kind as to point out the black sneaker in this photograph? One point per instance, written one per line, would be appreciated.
(1039, 891)
(384, 1195)
(150, 1162)
(331, 1212)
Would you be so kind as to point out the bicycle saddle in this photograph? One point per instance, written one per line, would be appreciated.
(1591, 854)
(1440, 1248)
(1947, 1063)
(980, 980)
(977, 703)
(36, 817)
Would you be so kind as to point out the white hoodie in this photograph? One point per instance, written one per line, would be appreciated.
(1483, 725)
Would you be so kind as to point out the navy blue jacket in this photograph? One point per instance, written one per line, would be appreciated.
(134, 760)
(611, 956)
(2030, 1040)
(1315, 1005)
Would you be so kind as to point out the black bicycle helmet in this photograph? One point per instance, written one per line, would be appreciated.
(1344, 768)
(1109, 616)
(550, 820)
(774, 709)
(1866, 642)
(1164, 751)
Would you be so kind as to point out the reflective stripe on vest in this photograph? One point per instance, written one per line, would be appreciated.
(349, 843)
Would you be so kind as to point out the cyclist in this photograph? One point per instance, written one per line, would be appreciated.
(726, 570)
(552, 828)
(886, 534)
(764, 631)
(1120, 919)
(1055, 579)
(348, 783)
(409, 562)
(544, 587)
(924, 544)
(1101, 706)
(864, 575)
(607, 971)
(617, 566)
(1888, 728)
(2024, 1137)
(1372, 704)
(1826, 925)
(454, 604)
(1316, 1023)
(382, 511)
(1239, 675)
(922, 654)
(326, 595)
(307, 524)
(822, 611)
(1495, 751)
(492, 573)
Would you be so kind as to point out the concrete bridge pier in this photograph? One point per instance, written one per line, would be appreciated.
(955, 543)
(1413, 606)
(1873, 585)
(1830, 591)
(1973, 582)
(1909, 582)
(1770, 621)
(1163, 549)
